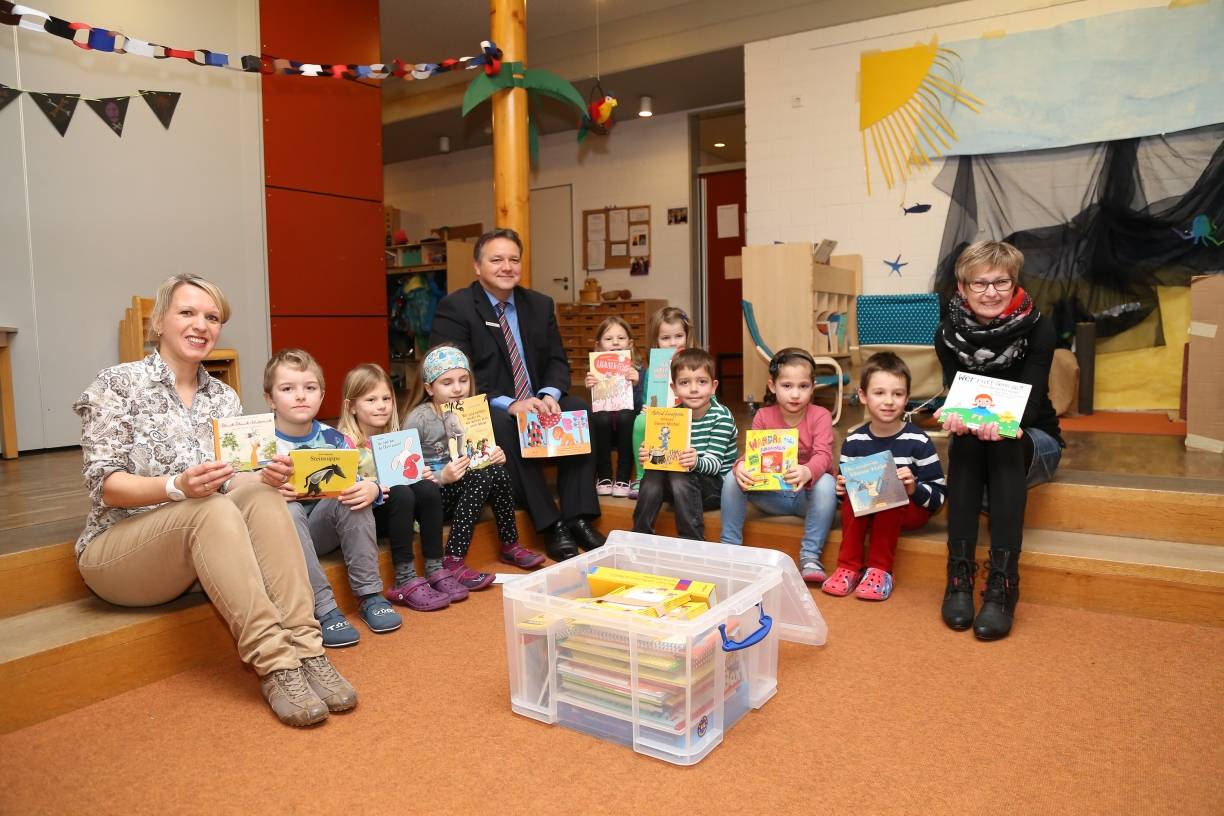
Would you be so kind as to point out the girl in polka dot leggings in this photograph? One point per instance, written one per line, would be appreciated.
(465, 491)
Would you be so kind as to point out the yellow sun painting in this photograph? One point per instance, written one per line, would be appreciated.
(899, 110)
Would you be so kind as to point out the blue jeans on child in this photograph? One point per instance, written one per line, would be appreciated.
(816, 507)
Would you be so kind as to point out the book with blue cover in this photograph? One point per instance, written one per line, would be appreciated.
(659, 392)
(398, 457)
(872, 483)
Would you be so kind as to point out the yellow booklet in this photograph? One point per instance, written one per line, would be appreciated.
(323, 473)
(244, 442)
(469, 430)
(768, 454)
(667, 434)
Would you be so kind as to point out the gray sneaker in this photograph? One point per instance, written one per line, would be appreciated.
(326, 682)
(291, 698)
(337, 631)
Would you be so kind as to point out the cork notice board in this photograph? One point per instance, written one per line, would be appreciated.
(613, 236)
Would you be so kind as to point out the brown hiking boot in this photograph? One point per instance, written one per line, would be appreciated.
(336, 692)
(291, 698)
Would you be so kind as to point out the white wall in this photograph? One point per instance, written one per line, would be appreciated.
(89, 220)
(643, 162)
(805, 161)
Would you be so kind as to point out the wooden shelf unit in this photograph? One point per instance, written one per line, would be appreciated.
(579, 321)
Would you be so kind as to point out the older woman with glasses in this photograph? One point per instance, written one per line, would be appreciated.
(994, 329)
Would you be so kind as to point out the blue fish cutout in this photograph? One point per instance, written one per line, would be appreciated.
(917, 208)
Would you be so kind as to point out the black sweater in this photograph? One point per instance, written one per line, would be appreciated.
(1033, 369)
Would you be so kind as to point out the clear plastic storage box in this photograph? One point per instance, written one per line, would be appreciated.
(671, 688)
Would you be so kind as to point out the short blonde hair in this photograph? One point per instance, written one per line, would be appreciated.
(165, 293)
(992, 254)
(357, 383)
(295, 359)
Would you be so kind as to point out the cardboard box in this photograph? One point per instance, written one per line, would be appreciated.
(1205, 374)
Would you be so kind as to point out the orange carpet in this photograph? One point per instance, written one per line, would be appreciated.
(1124, 422)
(1077, 712)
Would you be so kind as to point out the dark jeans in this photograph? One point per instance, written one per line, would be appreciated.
(610, 428)
(690, 495)
(421, 502)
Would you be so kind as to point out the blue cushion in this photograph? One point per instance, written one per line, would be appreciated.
(898, 319)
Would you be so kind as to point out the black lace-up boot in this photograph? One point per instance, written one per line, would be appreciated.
(999, 598)
(957, 607)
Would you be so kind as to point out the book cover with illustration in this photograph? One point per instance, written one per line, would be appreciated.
(612, 390)
(244, 442)
(323, 473)
(659, 393)
(397, 457)
(547, 435)
(469, 430)
(768, 454)
(981, 400)
(872, 483)
(667, 434)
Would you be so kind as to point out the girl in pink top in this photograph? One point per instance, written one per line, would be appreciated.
(813, 493)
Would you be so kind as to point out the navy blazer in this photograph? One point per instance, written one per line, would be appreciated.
(466, 319)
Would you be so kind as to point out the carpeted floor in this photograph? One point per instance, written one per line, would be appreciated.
(1125, 422)
(1076, 713)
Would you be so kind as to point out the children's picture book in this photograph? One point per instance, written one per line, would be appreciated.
(547, 435)
(612, 390)
(244, 442)
(981, 400)
(667, 434)
(872, 483)
(398, 458)
(469, 430)
(768, 454)
(323, 473)
(659, 393)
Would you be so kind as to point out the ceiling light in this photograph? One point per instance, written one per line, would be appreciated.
(720, 144)
(645, 109)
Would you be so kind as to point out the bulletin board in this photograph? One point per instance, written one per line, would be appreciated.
(613, 236)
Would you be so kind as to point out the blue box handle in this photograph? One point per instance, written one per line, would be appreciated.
(756, 637)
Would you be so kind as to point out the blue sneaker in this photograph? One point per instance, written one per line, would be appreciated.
(379, 616)
(337, 631)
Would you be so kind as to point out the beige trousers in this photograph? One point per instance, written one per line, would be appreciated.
(243, 549)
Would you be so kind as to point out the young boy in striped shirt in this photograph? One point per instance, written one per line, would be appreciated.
(711, 453)
(884, 389)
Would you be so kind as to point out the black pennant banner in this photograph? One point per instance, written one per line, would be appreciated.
(7, 95)
(163, 104)
(113, 111)
(59, 108)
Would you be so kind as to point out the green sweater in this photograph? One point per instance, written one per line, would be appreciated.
(716, 439)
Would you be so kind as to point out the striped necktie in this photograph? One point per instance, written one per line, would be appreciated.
(522, 390)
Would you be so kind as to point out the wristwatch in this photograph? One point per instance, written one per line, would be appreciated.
(173, 492)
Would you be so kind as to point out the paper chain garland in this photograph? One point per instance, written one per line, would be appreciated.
(91, 38)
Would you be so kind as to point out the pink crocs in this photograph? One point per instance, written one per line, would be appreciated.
(841, 583)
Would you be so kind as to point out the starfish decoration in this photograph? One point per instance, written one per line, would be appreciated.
(895, 266)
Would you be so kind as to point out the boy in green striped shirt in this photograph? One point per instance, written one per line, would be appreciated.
(711, 453)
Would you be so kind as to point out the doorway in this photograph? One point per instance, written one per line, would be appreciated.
(552, 245)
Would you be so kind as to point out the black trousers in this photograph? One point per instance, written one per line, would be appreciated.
(613, 429)
(575, 474)
(690, 495)
(421, 502)
(1000, 467)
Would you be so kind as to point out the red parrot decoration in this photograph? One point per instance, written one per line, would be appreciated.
(598, 117)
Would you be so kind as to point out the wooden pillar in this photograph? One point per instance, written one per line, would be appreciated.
(511, 159)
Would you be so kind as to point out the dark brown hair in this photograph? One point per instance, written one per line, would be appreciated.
(786, 356)
(508, 234)
(693, 358)
(887, 362)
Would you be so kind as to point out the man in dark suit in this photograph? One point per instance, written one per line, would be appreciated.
(510, 337)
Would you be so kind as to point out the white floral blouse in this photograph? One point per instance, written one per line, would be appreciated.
(132, 420)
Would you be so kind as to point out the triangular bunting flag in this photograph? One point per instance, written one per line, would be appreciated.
(58, 107)
(163, 104)
(7, 95)
(113, 111)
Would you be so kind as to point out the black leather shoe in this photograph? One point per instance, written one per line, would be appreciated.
(562, 546)
(588, 537)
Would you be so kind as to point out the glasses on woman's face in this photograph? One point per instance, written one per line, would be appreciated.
(1002, 285)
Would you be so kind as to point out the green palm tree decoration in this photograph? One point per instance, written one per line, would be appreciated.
(535, 80)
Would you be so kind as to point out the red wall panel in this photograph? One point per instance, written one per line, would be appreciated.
(325, 255)
(323, 31)
(338, 343)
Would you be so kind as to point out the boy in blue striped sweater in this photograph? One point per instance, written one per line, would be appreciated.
(884, 389)
(713, 446)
